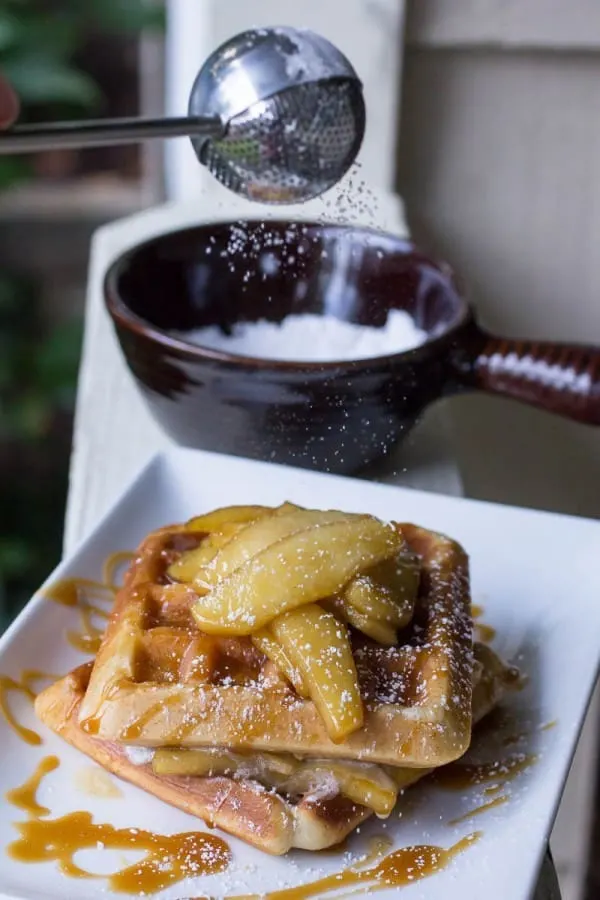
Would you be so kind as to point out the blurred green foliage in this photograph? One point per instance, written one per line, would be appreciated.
(37, 47)
(38, 377)
(39, 41)
(39, 44)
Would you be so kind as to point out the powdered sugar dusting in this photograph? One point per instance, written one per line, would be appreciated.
(139, 756)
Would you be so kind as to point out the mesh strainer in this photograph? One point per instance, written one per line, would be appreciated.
(295, 113)
(276, 114)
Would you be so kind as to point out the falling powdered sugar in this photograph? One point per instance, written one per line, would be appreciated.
(311, 338)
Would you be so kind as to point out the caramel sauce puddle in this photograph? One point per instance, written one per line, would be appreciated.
(169, 858)
(398, 869)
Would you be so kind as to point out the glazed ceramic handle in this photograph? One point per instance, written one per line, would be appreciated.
(561, 378)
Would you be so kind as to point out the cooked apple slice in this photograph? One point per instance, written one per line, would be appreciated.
(267, 767)
(319, 647)
(219, 531)
(226, 515)
(363, 783)
(404, 778)
(265, 641)
(190, 563)
(379, 631)
(387, 592)
(301, 568)
(259, 535)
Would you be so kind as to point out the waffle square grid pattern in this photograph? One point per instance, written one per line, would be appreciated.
(158, 681)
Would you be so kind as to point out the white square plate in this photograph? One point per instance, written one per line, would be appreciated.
(536, 574)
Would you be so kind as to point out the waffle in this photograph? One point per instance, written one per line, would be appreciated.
(158, 681)
(262, 818)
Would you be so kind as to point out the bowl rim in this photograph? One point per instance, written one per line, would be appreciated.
(123, 316)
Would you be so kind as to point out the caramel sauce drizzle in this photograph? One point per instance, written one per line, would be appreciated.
(25, 796)
(69, 592)
(75, 592)
(397, 869)
(493, 789)
(136, 728)
(518, 736)
(112, 564)
(23, 686)
(484, 633)
(459, 775)
(479, 810)
(169, 858)
(88, 640)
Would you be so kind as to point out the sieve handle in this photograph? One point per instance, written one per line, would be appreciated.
(105, 132)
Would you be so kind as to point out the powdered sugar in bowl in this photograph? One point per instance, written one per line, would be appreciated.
(314, 345)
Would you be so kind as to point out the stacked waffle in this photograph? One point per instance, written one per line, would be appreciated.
(283, 673)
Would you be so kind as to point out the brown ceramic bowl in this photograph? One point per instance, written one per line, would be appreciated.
(336, 416)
